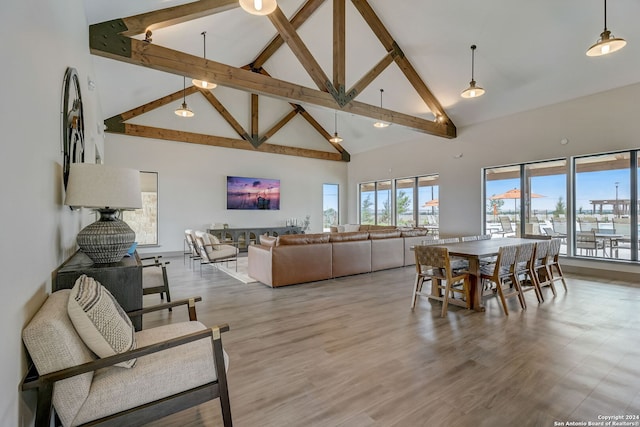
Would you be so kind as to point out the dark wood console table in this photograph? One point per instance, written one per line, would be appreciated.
(249, 236)
(123, 279)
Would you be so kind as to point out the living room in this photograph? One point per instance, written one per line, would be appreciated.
(39, 231)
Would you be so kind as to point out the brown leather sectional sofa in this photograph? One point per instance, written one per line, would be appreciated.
(293, 259)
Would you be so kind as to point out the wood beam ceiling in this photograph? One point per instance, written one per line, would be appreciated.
(112, 39)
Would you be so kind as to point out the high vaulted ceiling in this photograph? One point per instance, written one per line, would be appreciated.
(530, 54)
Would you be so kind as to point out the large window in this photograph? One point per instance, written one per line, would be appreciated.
(145, 221)
(405, 202)
(330, 206)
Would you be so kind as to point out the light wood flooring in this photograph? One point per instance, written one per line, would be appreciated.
(350, 352)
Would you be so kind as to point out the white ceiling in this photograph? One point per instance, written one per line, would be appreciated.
(530, 54)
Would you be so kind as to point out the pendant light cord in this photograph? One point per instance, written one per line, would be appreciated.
(184, 89)
(473, 55)
(605, 15)
(381, 90)
(204, 44)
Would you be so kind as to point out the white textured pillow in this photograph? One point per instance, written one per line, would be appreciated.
(349, 228)
(99, 320)
(214, 242)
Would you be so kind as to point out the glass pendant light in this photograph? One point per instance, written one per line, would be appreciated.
(335, 138)
(472, 91)
(379, 123)
(607, 43)
(202, 83)
(259, 7)
(184, 111)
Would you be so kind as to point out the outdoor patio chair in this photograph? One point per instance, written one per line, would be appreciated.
(587, 241)
(588, 223)
(506, 227)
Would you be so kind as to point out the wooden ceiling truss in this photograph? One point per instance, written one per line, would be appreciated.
(113, 39)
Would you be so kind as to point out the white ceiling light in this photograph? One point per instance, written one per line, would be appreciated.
(472, 91)
(202, 83)
(184, 111)
(259, 7)
(607, 43)
(379, 123)
(335, 138)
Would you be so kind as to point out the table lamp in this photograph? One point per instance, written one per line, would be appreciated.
(107, 190)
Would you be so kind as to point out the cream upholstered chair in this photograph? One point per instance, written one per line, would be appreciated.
(433, 263)
(177, 366)
(212, 251)
(190, 239)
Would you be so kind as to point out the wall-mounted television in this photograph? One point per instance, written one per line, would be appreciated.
(253, 193)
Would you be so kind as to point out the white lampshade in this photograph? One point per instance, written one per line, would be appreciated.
(101, 186)
(259, 7)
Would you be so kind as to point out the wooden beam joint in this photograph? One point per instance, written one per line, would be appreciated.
(115, 124)
(106, 37)
(396, 52)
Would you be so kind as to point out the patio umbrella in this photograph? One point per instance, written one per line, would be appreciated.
(515, 195)
(431, 203)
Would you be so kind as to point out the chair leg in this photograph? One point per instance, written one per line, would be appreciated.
(516, 284)
(417, 287)
(445, 299)
(502, 300)
(560, 275)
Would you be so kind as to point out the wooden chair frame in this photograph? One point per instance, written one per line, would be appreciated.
(138, 416)
(162, 289)
(504, 276)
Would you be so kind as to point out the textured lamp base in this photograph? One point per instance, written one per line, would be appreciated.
(106, 240)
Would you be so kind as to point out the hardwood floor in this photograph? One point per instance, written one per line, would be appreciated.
(350, 352)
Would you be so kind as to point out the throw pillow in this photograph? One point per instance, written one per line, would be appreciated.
(214, 242)
(100, 321)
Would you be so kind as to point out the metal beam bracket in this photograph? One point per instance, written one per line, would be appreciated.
(114, 124)
(396, 52)
(105, 37)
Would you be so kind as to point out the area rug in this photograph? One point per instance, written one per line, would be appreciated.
(243, 270)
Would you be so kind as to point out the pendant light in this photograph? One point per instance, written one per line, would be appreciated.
(259, 7)
(607, 43)
(379, 123)
(202, 83)
(335, 138)
(184, 111)
(472, 91)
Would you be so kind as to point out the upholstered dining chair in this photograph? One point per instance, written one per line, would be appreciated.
(524, 270)
(502, 274)
(433, 263)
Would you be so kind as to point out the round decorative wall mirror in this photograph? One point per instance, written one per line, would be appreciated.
(72, 123)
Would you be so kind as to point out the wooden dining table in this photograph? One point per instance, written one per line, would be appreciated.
(474, 251)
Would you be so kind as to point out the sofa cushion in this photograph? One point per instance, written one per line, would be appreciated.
(414, 233)
(267, 240)
(348, 237)
(302, 239)
(383, 234)
(100, 321)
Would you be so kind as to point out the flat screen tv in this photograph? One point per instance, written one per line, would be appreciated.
(253, 193)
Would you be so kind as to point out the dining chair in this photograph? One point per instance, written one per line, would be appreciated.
(553, 262)
(587, 241)
(502, 274)
(540, 267)
(154, 278)
(433, 263)
(524, 270)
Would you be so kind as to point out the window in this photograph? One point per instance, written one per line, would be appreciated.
(383, 203)
(145, 221)
(428, 201)
(367, 203)
(330, 209)
(405, 205)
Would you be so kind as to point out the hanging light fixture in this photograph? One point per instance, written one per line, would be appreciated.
(202, 83)
(472, 91)
(607, 43)
(184, 111)
(335, 138)
(259, 7)
(379, 123)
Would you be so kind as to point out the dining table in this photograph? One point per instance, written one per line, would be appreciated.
(476, 250)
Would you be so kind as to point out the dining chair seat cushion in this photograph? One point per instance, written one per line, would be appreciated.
(155, 376)
(152, 277)
(488, 270)
(100, 321)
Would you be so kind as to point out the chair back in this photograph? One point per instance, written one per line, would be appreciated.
(190, 236)
(588, 223)
(202, 241)
(622, 226)
(505, 223)
(559, 225)
(586, 239)
(433, 258)
(542, 251)
(524, 255)
(554, 249)
(506, 256)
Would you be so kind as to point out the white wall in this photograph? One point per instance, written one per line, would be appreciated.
(192, 184)
(40, 39)
(602, 122)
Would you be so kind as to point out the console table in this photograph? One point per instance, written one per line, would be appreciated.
(123, 279)
(249, 236)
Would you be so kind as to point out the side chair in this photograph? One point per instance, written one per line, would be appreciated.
(553, 262)
(502, 274)
(525, 258)
(540, 267)
(433, 263)
(154, 278)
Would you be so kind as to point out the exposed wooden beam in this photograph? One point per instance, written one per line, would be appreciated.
(318, 127)
(138, 52)
(254, 117)
(298, 19)
(405, 66)
(219, 141)
(339, 47)
(139, 24)
(157, 103)
(286, 119)
(300, 50)
(226, 115)
(366, 80)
